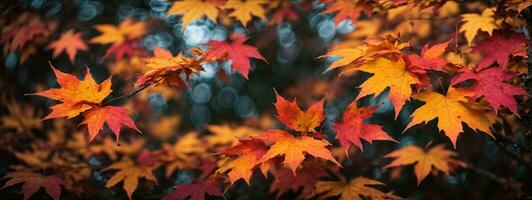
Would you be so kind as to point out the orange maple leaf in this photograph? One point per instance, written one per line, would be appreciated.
(70, 42)
(293, 117)
(86, 96)
(294, 148)
(249, 153)
(113, 116)
(437, 157)
(347, 9)
(33, 182)
(164, 67)
(76, 96)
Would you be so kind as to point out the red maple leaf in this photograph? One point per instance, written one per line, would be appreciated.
(352, 129)
(33, 182)
(126, 48)
(498, 48)
(490, 84)
(195, 190)
(306, 178)
(238, 52)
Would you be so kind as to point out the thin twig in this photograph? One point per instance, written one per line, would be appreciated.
(132, 93)
(503, 182)
(511, 154)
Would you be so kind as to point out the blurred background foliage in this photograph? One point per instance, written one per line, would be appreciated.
(221, 96)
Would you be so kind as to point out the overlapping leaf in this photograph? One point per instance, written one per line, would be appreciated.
(492, 84)
(129, 173)
(236, 51)
(352, 128)
(437, 157)
(32, 182)
(293, 149)
(354, 189)
(194, 10)
(451, 110)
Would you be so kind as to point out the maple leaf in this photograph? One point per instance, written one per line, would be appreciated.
(195, 190)
(388, 74)
(70, 42)
(498, 48)
(21, 118)
(86, 96)
(347, 9)
(227, 136)
(352, 129)
(293, 117)
(451, 110)
(354, 189)
(164, 67)
(194, 10)
(283, 13)
(306, 178)
(244, 10)
(351, 58)
(236, 51)
(490, 84)
(115, 117)
(475, 22)
(126, 30)
(33, 182)
(249, 153)
(76, 96)
(165, 126)
(430, 58)
(294, 148)
(129, 173)
(184, 153)
(437, 157)
(130, 48)
(23, 30)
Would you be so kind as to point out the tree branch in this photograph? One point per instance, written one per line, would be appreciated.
(132, 93)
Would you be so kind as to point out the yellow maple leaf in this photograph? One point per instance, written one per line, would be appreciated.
(194, 10)
(244, 10)
(437, 157)
(475, 22)
(185, 153)
(226, 136)
(451, 110)
(353, 189)
(21, 118)
(165, 127)
(126, 30)
(388, 74)
(129, 173)
(294, 148)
